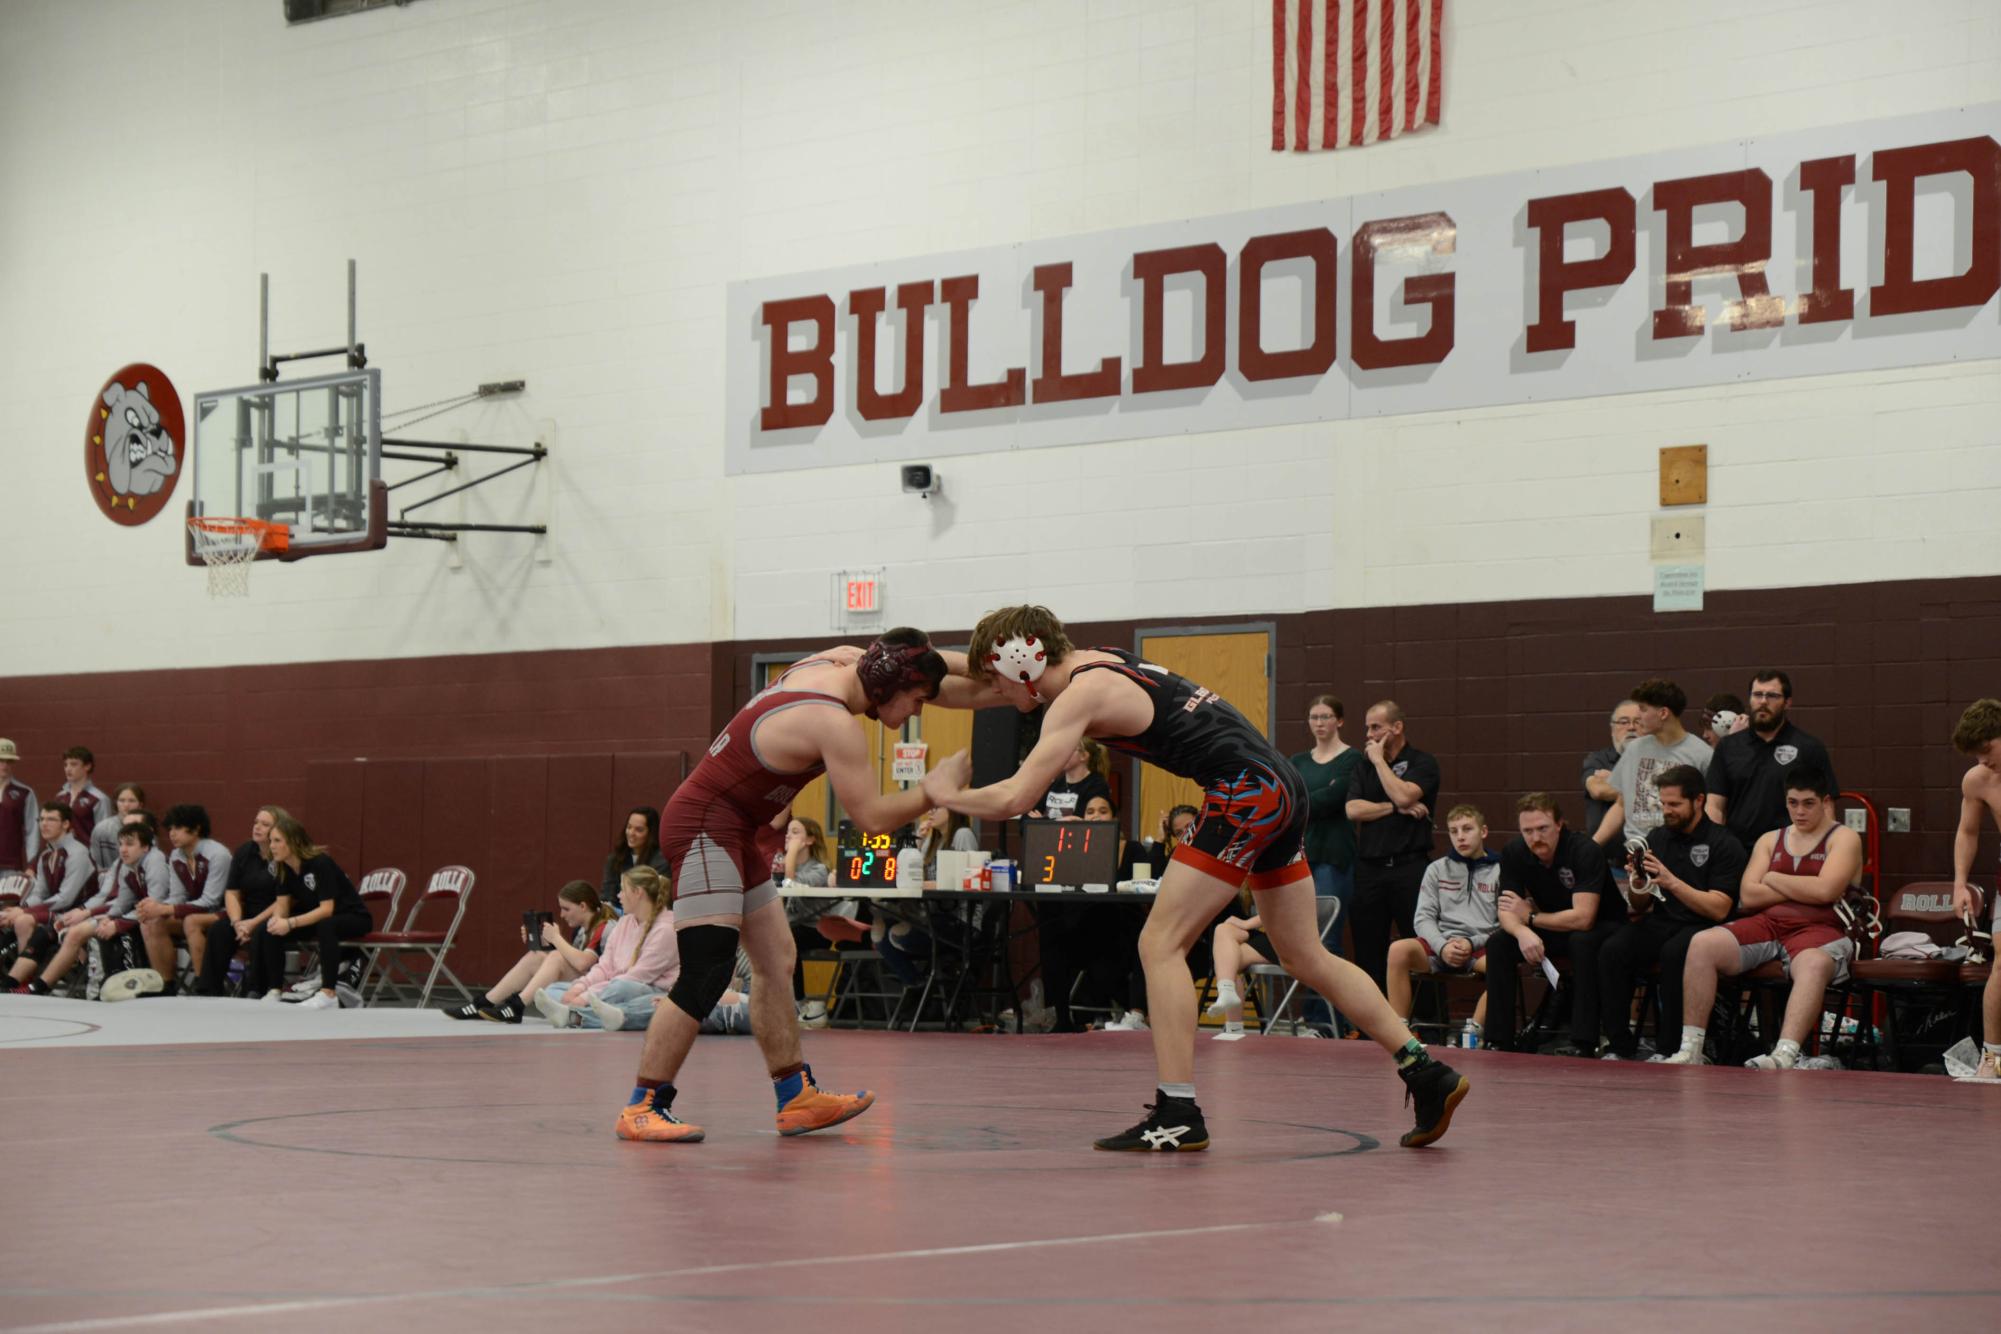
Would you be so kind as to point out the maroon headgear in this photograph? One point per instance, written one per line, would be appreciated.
(886, 669)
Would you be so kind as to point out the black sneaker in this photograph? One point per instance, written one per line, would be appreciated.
(1437, 1089)
(1174, 1126)
(469, 1011)
(507, 1012)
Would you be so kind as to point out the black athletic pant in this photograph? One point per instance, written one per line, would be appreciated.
(267, 952)
(1385, 892)
(1655, 938)
(1581, 948)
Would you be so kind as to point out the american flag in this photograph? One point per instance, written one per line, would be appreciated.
(1349, 72)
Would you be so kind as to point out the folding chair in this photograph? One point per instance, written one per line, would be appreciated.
(1925, 907)
(381, 891)
(450, 884)
(858, 975)
(1266, 976)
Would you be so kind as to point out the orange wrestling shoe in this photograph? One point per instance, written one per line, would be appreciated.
(811, 1108)
(645, 1118)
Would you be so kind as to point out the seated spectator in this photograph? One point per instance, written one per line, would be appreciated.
(61, 876)
(1081, 780)
(904, 945)
(1557, 901)
(805, 859)
(106, 916)
(1795, 877)
(584, 919)
(1688, 879)
(250, 898)
(20, 815)
(1110, 937)
(1458, 908)
(1722, 715)
(1095, 943)
(1237, 943)
(940, 830)
(87, 804)
(638, 844)
(1170, 831)
(126, 798)
(1599, 794)
(1662, 744)
(200, 867)
(325, 910)
(1747, 774)
(638, 963)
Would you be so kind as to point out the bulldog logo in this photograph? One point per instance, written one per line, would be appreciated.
(1699, 854)
(1566, 877)
(134, 445)
(1786, 754)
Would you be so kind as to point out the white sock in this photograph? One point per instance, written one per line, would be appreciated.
(1226, 999)
(1787, 1053)
(1991, 1048)
(1691, 1038)
(1185, 1091)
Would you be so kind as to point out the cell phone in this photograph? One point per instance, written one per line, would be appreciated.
(533, 922)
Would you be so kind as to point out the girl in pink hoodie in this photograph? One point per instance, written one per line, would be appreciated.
(636, 965)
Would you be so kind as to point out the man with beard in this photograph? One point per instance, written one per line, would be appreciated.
(1688, 880)
(1747, 774)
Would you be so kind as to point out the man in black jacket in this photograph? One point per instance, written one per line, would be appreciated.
(1687, 879)
(1557, 901)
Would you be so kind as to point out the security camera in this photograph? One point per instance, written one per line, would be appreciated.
(920, 479)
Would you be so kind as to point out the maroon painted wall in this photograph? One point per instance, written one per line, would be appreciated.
(518, 765)
(521, 765)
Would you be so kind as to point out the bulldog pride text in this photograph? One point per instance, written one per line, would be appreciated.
(1602, 278)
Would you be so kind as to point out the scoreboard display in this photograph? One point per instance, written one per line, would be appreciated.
(1069, 852)
(864, 860)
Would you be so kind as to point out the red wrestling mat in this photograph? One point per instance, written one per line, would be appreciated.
(474, 1183)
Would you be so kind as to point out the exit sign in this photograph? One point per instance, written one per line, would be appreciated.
(858, 599)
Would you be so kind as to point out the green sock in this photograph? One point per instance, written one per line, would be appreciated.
(1412, 1057)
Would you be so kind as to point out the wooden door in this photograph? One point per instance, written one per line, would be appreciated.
(1234, 664)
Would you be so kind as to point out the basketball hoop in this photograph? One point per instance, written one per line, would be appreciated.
(228, 546)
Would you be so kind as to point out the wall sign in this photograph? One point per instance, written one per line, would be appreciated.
(1831, 250)
(134, 444)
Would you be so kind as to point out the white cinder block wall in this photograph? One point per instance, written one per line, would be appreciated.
(559, 191)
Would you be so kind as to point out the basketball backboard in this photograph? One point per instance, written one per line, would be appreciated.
(307, 453)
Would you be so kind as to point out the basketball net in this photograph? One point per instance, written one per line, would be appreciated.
(228, 547)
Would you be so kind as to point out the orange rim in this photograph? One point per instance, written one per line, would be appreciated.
(270, 536)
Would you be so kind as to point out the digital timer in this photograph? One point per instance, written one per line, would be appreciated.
(1069, 852)
(865, 860)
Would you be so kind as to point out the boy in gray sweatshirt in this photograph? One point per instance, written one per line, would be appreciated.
(1458, 907)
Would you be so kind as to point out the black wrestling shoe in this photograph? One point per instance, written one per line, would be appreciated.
(1437, 1089)
(1174, 1126)
(507, 1012)
(467, 1011)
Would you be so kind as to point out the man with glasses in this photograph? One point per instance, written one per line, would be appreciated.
(1747, 774)
(1599, 794)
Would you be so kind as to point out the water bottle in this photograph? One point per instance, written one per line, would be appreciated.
(1469, 1035)
(910, 870)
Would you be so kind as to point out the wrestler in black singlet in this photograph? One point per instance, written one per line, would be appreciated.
(1254, 804)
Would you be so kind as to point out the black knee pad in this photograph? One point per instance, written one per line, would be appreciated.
(41, 946)
(708, 960)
